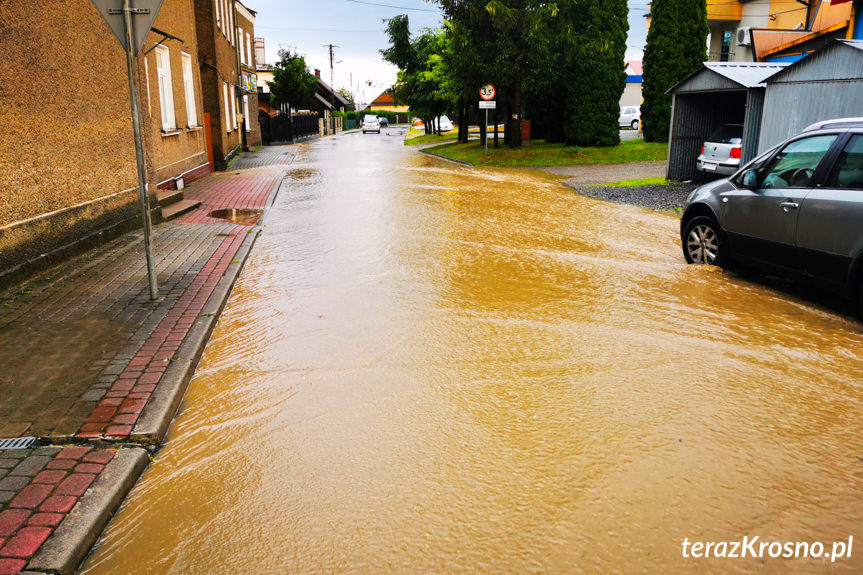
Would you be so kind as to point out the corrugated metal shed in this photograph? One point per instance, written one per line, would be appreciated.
(728, 76)
(719, 93)
(825, 85)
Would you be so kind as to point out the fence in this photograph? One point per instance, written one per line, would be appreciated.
(287, 128)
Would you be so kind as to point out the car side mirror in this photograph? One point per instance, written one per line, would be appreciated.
(750, 179)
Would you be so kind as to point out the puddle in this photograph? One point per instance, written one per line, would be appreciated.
(244, 217)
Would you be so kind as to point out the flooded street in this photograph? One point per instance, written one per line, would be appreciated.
(427, 368)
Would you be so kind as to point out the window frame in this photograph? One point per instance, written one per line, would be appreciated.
(227, 108)
(817, 171)
(833, 171)
(241, 47)
(189, 89)
(246, 113)
(166, 89)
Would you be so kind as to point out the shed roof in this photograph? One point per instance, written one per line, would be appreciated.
(717, 76)
(839, 60)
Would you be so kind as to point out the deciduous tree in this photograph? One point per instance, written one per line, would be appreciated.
(293, 85)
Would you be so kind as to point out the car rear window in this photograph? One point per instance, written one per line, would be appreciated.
(727, 134)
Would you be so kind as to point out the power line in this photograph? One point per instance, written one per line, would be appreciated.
(392, 6)
(317, 29)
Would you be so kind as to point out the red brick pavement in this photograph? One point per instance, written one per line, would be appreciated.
(119, 410)
(38, 487)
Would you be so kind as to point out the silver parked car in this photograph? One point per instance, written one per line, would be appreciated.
(796, 209)
(371, 124)
(720, 154)
(630, 116)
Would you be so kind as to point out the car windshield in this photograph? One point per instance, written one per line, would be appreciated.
(727, 134)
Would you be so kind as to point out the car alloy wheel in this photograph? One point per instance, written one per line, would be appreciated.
(634, 124)
(703, 242)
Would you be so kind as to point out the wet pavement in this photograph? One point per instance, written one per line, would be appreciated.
(427, 368)
(86, 357)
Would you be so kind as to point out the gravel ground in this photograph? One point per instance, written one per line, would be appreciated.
(655, 197)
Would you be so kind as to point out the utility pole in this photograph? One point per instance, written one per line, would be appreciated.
(131, 24)
(332, 85)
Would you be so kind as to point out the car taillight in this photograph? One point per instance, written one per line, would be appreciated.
(735, 153)
(702, 150)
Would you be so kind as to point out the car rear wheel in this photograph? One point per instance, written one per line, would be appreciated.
(703, 242)
(634, 124)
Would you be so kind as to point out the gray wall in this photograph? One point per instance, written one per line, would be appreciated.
(826, 85)
(752, 123)
(790, 107)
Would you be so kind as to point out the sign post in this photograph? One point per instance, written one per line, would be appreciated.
(487, 93)
(131, 35)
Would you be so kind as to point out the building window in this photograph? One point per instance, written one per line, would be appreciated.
(189, 85)
(249, 49)
(227, 107)
(246, 112)
(240, 46)
(166, 89)
(231, 21)
(726, 45)
(234, 108)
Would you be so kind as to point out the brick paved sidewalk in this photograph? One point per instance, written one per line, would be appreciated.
(38, 488)
(85, 355)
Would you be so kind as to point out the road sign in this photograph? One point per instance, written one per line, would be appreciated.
(487, 92)
(144, 14)
(487, 105)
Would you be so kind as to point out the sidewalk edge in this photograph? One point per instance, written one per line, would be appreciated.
(157, 416)
(73, 539)
(462, 162)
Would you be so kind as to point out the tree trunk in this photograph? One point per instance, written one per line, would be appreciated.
(515, 116)
(494, 119)
(462, 128)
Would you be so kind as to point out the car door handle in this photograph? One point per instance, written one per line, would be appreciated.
(788, 206)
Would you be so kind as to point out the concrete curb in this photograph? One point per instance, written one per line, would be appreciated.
(160, 410)
(72, 540)
(462, 162)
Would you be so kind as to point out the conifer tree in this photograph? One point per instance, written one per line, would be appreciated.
(596, 71)
(676, 47)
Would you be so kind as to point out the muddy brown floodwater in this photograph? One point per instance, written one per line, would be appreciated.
(427, 368)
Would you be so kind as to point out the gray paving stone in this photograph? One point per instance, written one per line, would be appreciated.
(49, 451)
(6, 496)
(14, 483)
(94, 394)
(31, 466)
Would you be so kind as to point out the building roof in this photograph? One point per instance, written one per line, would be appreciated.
(747, 74)
(846, 62)
(385, 98)
(728, 76)
(323, 93)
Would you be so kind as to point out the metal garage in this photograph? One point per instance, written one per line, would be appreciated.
(825, 85)
(719, 93)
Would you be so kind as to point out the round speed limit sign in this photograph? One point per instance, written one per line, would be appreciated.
(487, 92)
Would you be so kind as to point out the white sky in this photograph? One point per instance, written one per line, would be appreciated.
(357, 28)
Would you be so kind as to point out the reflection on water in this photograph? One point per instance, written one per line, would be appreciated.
(433, 369)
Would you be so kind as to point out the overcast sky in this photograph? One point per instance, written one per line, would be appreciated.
(357, 28)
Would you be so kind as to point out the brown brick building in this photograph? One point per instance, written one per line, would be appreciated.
(248, 74)
(171, 96)
(67, 155)
(218, 24)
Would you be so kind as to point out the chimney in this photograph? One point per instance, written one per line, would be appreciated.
(260, 55)
(317, 73)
